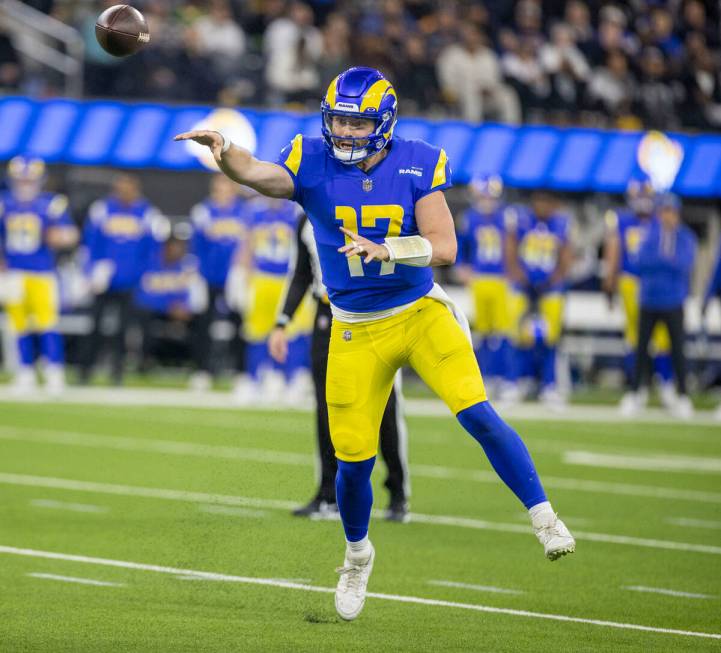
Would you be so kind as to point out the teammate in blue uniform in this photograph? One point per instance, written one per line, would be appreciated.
(625, 232)
(118, 237)
(539, 260)
(381, 221)
(220, 228)
(713, 289)
(171, 292)
(481, 266)
(33, 226)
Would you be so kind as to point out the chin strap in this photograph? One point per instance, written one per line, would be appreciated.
(410, 250)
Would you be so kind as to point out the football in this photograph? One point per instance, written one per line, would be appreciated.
(122, 30)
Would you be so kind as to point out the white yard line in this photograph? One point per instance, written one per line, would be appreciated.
(659, 590)
(645, 462)
(428, 407)
(274, 504)
(269, 456)
(64, 505)
(478, 588)
(694, 523)
(398, 598)
(79, 581)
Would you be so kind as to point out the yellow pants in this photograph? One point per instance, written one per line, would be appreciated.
(266, 292)
(35, 306)
(630, 291)
(491, 299)
(363, 360)
(550, 307)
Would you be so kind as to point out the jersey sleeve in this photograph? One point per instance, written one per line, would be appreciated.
(436, 172)
(291, 157)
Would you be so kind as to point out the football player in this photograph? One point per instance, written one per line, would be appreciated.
(118, 236)
(539, 259)
(220, 228)
(33, 226)
(625, 231)
(381, 222)
(481, 265)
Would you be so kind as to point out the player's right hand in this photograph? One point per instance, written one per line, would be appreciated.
(211, 139)
(278, 345)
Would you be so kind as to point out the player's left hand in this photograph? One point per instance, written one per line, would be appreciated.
(359, 246)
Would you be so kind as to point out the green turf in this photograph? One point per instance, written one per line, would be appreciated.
(159, 612)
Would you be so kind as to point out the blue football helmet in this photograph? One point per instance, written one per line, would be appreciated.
(360, 93)
(641, 196)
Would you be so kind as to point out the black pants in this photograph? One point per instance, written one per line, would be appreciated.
(202, 337)
(393, 453)
(673, 319)
(116, 308)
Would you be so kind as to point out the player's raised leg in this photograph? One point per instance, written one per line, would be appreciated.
(443, 356)
(358, 385)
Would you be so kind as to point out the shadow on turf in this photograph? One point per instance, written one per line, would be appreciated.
(320, 618)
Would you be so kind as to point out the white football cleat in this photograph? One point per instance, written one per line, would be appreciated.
(682, 408)
(632, 403)
(55, 380)
(350, 593)
(24, 382)
(556, 538)
(668, 396)
(200, 381)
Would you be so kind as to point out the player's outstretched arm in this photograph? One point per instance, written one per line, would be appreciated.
(241, 166)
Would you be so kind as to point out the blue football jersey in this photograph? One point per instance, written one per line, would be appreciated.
(376, 204)
(540, 243)
(123, 235)
(23, 225)
(631, 231)
(164, 285)
(272, 224)
(481, 239)
(217, 233)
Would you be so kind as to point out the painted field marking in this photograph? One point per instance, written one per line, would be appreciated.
(652, 463)
(471, 586)
(269, 582)
(274, 504)
(232, 511)
(694, 523)
(79, 581)
(659, 590)
(267, 456)
(192, 577)
(65, 505)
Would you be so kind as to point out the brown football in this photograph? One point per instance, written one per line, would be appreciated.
(122, 30)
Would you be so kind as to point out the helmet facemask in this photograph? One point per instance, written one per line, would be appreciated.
(362, 147)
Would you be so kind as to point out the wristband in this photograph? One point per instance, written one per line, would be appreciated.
(282, 321)
(226, 143)
(409, 250)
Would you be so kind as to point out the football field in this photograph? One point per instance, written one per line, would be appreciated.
(141, 528)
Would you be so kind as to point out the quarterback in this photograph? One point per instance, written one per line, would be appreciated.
(381, 223)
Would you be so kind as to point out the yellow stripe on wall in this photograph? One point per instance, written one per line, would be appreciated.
(439, 176)
(296, 154)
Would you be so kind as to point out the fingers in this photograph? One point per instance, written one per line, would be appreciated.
(351, 234)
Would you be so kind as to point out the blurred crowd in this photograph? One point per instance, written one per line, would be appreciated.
(642, 63)
(204, 290)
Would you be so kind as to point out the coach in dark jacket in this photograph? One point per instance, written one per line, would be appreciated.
(666, 260)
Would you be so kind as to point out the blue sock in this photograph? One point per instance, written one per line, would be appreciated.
(629, 366)
(505, 451)
(51, 346)
(662, 366)
(354, 495)
(26, 349)
(256, 358)
(548, 365)
(506, 361)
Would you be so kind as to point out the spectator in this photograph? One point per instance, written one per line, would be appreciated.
(10, 68)
(293, 47)
(336, 48)
(470, 76)
(612, 35)
(220, 38)
(524, 72)
(663, 37)
(656, 96)
(612, 87)
(702, 102)
(567, 67)
(417, 84)
(695, 20)
(666, 259)
(578, 18)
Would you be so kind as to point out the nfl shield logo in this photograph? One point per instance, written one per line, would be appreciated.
(367, 185)
(347, 335)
